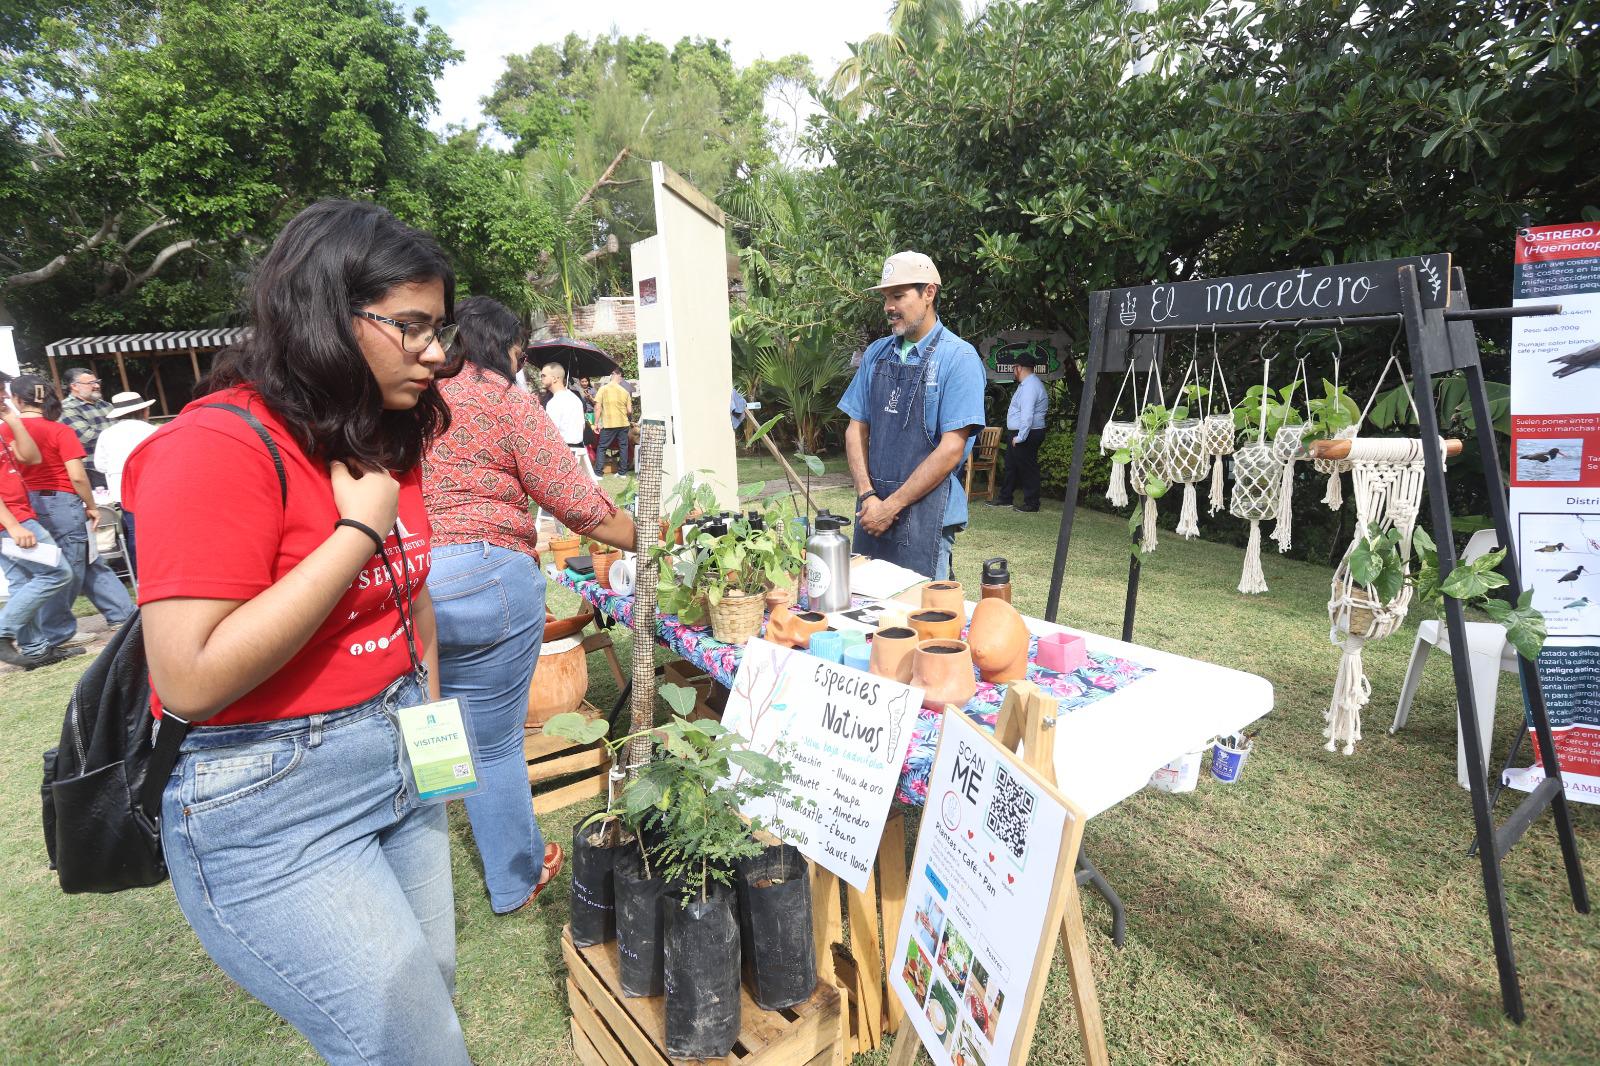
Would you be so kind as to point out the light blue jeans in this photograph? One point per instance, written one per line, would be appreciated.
(947, 547)
(29, 587)
(315, 884)
(62, 513)
(489, 605)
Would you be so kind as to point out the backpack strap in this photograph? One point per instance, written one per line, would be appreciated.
(169, 737)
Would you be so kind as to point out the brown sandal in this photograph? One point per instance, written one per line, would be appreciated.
(554, 858)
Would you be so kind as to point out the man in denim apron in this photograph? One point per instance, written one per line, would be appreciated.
(914, 404)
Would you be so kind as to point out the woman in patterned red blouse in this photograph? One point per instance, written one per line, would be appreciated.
(501, 451)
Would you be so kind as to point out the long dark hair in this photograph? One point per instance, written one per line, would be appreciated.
(303, 357)
(487, 329)
(35, 391)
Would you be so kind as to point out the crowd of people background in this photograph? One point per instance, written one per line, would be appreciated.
(342, 525)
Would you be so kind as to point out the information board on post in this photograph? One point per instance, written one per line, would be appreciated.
(1555, 486)
(844, 733)
(984, 902)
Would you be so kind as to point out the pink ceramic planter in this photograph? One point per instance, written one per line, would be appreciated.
(1062, 652)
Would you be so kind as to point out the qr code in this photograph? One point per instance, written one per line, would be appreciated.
(462, 769)
(1010, 812)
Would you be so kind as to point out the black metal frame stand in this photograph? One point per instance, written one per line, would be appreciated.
(1130, 325)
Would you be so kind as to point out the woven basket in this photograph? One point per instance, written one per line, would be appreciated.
(1153, 461)
(1116, 435)
(737, 617)
(1289, 443)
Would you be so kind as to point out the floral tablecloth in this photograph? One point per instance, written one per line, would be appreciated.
(1105, 674)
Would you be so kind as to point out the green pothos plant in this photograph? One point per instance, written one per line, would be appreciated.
(1278, 405)
(1380, 561)
(1151, 422)
(1330, 413)
(689, 793)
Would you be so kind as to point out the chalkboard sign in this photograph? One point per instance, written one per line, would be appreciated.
(1349, 289)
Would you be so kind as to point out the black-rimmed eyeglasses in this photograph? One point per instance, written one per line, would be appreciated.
(415, 337)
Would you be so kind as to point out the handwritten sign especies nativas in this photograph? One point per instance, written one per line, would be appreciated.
(1310, 292)
(844, 733)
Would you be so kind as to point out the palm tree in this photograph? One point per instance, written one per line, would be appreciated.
(916, 27)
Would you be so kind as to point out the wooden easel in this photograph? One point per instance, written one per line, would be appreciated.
(1028, 717)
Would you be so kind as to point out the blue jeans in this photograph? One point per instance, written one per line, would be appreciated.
(29, 587)
(315, 884)
(62, 514)
(489, 606)
(947, 545)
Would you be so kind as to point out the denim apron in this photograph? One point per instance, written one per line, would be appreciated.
(897, 442)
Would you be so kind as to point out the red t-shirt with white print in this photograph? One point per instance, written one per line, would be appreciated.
(211, 525)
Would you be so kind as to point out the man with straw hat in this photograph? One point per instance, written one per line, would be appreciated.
(914, 404)
(127, 431)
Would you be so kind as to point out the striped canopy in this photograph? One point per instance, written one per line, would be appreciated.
(146, 343)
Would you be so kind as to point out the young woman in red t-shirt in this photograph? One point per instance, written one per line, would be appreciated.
(289, 634)
(58, 489)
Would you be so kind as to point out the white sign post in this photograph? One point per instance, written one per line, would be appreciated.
(844, 732)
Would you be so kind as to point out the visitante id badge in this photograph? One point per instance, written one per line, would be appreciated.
(441, 754)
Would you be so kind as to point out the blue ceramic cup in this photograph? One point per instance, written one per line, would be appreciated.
(828, 644)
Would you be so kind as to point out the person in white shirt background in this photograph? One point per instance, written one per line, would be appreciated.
(566, 411)
(116, 442)
(1025, 419)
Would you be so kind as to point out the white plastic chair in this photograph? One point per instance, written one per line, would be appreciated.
(1489, 653)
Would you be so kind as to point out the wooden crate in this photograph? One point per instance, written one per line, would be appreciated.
(552, 757)
(610, 1029)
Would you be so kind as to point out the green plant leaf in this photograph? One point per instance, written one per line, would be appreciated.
(680, 698)
(766, 427)
(762, 766)
(812, 463)
(573, 726)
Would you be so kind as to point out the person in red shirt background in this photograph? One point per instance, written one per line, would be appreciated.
(59, 492)
(29, 582)
(290, 632)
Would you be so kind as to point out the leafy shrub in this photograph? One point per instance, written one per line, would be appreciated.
(1055, 464)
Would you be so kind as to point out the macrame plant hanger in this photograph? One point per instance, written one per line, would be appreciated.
(1219, 428)
(1149, 460)
(1289, 445)
(1116, 436)
(1387, 477)
(1256, 473)
(1185, 448)
(1333, 496)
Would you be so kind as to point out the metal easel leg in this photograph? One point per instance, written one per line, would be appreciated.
(1089, 874)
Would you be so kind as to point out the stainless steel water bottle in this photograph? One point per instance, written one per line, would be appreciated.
(828, 564)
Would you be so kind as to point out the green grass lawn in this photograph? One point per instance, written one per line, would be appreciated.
(1322, 910)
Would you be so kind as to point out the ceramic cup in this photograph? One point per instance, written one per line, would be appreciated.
(828, 644)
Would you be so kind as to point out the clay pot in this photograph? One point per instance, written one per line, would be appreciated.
(944, 596)
(942, 669)
(603, 556)
(999, 640)
(778, 597)
(793, 628)
(556, 628)
(560, 681)
(892, 648)
(1062, 652)
(564, 548)
(936, 625)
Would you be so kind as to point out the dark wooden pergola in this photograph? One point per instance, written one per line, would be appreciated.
(153, 346)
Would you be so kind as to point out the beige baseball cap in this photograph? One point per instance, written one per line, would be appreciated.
(907, 268)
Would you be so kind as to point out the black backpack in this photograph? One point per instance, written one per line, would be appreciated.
(102, 785)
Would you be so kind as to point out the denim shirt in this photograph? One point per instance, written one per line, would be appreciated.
(954, 398)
